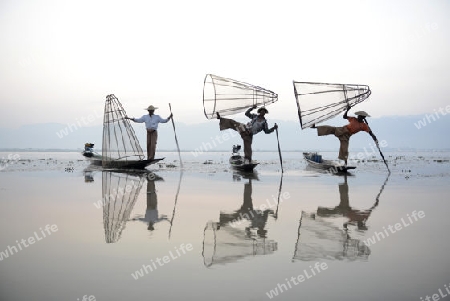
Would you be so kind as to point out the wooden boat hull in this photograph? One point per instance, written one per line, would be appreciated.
(237, 162)
(130, 164)
(327, 165)
(97, 160)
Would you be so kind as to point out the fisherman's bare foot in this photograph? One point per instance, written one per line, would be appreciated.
(218, 115)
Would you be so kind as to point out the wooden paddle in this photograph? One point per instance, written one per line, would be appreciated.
(376, 143)
(176, 140)
(279, 150)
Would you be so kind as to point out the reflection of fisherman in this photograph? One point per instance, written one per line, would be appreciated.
(257, 124)
(355, 217)
(343, 133)
(257, 218)
(151, 214)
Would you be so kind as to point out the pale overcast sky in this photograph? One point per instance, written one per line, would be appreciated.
(59, 59)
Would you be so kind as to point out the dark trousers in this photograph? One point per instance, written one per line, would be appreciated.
(246, 136)
(152, 136)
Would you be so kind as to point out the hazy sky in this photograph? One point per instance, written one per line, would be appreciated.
(59, 59)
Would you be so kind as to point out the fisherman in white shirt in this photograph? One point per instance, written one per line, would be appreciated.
(151, 124)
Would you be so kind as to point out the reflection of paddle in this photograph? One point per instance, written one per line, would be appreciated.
(175, 204)
(381, 190)
(376, 143)
(279, 150)
(279, 193)
(176, 140)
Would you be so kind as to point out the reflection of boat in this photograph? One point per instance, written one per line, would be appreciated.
(238, 234)
(320, 238)
(119, 194)
(316, 161)
(237, 161)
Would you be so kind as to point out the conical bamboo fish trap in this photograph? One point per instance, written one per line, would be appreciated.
(228, 96)
(120, 144)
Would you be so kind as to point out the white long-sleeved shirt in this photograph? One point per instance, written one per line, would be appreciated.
(151, 122)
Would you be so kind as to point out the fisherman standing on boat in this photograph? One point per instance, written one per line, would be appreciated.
(257, 124)
(345, 132)
(151, 124)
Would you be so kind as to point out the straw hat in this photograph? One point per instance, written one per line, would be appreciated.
(262, 108)
(151, 108)
(362, 113)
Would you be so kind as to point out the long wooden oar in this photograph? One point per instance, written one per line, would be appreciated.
(176, 140)
(279, 150)
(382, 156)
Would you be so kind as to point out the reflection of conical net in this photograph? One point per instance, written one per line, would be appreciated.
(321, 239)
(227, 96)
(226, 244)
(120, 143)
(120, 192)
(317, 102)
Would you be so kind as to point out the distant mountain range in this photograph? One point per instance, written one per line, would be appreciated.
(397, 132)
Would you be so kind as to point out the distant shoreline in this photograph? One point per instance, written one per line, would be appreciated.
(222, 151)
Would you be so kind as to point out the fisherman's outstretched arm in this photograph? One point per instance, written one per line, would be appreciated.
(138, 120)
(162, 120)
(267, 130)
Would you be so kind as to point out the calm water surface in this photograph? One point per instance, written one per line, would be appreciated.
(213, 234)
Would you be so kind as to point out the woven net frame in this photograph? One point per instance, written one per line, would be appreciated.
(227, 96)
(119, 139)
(318, 102)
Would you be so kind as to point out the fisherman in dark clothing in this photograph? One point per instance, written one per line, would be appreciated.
(257, 124)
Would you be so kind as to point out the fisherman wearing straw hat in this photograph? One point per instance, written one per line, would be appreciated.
(151, 124)
(257, 124)
(343, 133)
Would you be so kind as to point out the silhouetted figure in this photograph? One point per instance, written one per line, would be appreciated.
(355, 216)
(151, 213)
